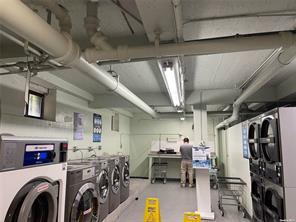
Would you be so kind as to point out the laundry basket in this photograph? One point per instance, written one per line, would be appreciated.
(159, 171)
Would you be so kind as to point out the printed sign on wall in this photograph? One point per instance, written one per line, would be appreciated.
(245, 137)
(78, 126)
(201, 157)
(97, 128)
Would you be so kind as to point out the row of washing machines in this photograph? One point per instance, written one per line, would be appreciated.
(96, 187)
(272, 146)
(37, 183)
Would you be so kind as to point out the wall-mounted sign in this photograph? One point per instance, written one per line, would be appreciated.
(97, 128)
(245, 141)
(201, 157)
(78, 126)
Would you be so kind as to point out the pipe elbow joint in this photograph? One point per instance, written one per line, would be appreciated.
(90, 55)
(72, 53)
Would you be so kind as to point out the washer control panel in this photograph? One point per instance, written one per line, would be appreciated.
(20, 152)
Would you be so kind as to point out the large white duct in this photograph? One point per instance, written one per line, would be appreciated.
(199, 47)
(38, 32)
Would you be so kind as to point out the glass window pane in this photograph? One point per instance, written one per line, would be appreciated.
(35, 105)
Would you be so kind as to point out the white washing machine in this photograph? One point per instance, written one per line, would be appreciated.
(33, 174)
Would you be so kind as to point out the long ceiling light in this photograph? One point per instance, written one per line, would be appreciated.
(173, 78)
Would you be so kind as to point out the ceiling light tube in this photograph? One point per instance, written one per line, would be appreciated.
(172, 77)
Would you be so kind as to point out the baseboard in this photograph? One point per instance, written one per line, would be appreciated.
(136, 177)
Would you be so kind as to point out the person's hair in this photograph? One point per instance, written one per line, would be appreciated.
(186, 140)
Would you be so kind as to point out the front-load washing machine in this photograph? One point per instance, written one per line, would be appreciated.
(103, 182)
(254, 145)
(114, 178)
(82, 199)
(270, 146)
(104, 189)
(33, 174)
(124, 177)
(257, 197)
(273, 202)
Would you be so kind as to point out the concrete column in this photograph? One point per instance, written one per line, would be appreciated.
(203, 194)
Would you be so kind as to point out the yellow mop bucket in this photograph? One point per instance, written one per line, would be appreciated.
(152, 211)
(192, 217)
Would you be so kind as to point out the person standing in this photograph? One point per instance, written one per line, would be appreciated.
(186, 162)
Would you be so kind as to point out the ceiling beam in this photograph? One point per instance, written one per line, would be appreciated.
(64, 85)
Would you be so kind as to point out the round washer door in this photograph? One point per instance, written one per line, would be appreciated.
(115, 180)
(125, 175)
(86, 204)
(254, 141)
(36, 201)
(104, 187)
(256, 188)
(269, 140)
(273, 205)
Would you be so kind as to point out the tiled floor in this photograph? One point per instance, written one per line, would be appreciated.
(174, 201)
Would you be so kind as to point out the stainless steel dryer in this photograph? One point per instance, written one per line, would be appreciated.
(114, 177)
(273, 202)
(82, 198)
(254, 145)
(270, 146)
(124, 177)
(257, 197)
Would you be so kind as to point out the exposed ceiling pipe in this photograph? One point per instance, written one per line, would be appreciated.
(269, 69)
(199, 47)
(92, 26)
(178, 19)
(60, 46)
(31, 49)
(60, 12)
(280, 13)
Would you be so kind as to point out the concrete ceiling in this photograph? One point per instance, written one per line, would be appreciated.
(211, 72)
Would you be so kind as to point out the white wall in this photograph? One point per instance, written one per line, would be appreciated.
(236, 165)
(12, 120)
(144, 131)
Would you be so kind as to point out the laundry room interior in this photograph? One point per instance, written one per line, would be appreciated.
(147, 110)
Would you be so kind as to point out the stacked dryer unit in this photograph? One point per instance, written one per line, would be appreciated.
(274, 184)
(124, 177)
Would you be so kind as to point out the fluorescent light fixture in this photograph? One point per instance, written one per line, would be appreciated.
(173, 80)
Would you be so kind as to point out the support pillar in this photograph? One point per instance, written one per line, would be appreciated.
(203, 193)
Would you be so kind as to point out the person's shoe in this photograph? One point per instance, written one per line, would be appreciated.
(190, 185)
(182, 185)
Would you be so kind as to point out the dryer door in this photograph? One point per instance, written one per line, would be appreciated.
(273, 206)
(86, 204)
(104, 187)
(36, 201)
(115, 180)
(254, 141)
(125, 174)
(257, 192)
(269, 140)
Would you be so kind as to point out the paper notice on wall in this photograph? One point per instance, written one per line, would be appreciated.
(201, 157)
(97, 128)
(78, 126)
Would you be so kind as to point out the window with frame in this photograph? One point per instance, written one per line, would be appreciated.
(35, 106)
